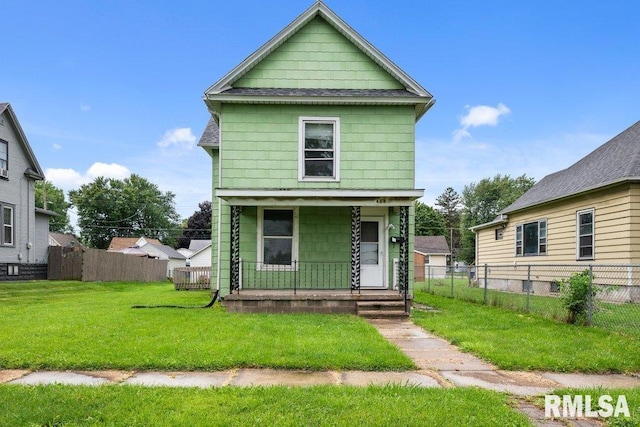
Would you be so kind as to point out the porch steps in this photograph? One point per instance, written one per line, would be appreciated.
(381, 309)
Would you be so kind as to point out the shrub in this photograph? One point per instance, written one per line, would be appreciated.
(577, 295)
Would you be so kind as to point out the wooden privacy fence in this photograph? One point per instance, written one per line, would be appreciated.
(93, 265)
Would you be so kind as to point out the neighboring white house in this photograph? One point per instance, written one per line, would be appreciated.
(200, 253)
(430, 257)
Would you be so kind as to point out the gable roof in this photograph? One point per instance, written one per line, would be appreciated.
(66, 240)
(167, 250)
(35, 171)
(616, 161)
(119, 243)
(196, 245)
(414, 93)
(431, 245)
(211, 135)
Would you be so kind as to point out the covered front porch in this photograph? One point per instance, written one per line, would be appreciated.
(307, 246)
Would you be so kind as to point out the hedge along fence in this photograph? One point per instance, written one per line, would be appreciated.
(93, 265)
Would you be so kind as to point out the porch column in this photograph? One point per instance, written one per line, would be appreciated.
(355, 248)
(234, 250)
(404, 250)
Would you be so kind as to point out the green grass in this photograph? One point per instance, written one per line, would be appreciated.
(91, 326)
(258, 406)
(623, 318)
(519, 341)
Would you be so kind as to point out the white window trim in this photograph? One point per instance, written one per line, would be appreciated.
(593, 234)
(336, 149)
(12, 226)
(5, 161)
(546, 238)
(294, 245)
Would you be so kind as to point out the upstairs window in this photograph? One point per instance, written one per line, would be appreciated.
(585, 233)
(319, 149)
(6, 239)
(4, 155)
(531, 238)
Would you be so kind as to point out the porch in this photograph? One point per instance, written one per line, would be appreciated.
(365, 303)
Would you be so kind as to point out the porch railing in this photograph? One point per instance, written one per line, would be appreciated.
(297, 276)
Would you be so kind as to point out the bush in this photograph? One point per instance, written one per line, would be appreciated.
(577, 295)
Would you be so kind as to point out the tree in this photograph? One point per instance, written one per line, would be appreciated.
(483, 202)
(428, 221)
(449, 207)
(198, 226)
(132, 207)
(52, 198)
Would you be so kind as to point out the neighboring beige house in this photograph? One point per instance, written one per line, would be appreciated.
(586, 214)
(430, 257)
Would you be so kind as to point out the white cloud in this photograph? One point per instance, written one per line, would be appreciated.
(57, 147)
(111, 170)
(180, 139)
(85, 107)
(69, 179)
(479, 115)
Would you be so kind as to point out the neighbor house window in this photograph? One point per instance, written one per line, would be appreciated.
(277, 237)
(585, 234)
(7, 225)
(531, 238)
(319, 149)
(4, 155)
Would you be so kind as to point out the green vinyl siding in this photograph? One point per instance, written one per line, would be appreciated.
(325, 234)
(318, 57)
(260, 146)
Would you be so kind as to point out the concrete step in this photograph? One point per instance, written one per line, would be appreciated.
(383, 314)
(381, 309)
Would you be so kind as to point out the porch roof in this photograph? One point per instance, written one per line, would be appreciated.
(318, 197)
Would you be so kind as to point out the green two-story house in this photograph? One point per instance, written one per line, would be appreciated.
(312, 139)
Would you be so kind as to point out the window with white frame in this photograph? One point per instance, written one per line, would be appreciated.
(6, 238)
(4, 155)
(531, 238)
(319, 149)
(584, 232)
(277, 237)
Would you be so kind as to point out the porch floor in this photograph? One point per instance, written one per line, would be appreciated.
(367, 302)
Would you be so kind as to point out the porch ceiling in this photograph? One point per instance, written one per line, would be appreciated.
(318, 197)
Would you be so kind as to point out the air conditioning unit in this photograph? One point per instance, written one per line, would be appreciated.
(4, 173)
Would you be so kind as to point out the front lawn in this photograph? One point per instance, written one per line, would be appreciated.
(91, 326)
(255, 406)
(518, 341)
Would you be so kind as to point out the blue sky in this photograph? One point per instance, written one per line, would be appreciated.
(115, 87)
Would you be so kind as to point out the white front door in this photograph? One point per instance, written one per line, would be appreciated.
(372, 252)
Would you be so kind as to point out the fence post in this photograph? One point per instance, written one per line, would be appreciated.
(529, 286)
(486, 270)
(451, 272)
(590, 297)
(429, 278)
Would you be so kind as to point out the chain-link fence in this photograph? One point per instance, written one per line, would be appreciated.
(606, 296)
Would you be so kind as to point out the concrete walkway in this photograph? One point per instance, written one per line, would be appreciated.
(440, 365)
